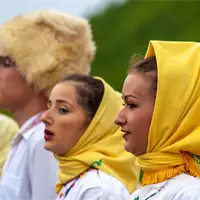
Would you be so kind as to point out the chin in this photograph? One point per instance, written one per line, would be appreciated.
(132, 150)
(48, 147)
(127, 148)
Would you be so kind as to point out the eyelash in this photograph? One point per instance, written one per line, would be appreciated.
(63, 110)
(131, 106)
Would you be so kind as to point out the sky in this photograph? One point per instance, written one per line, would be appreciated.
(10, 8)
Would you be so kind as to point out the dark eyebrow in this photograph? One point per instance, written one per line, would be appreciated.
(62, 101)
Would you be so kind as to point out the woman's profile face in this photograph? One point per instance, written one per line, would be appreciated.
(135, 117)
(65, 120)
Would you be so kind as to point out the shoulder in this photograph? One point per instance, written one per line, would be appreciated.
(107, 183)
(187, 187)
(97, 185)
(191, 192)
(174, 189)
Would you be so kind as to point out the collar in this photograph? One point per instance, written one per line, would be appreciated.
(24, 131)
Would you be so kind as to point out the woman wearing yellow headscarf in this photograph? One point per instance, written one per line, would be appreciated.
(161, 120)
(88, 146)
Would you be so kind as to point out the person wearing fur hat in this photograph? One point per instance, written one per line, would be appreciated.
(36, 50)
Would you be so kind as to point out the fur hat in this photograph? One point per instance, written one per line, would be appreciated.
(47, 45)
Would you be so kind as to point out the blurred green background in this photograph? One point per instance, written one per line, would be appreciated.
(123, 30)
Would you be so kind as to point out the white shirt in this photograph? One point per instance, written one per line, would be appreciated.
(94, 185)
(181, 187)
(30, 172)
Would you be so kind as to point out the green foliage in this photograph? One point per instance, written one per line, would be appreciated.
(122, 31)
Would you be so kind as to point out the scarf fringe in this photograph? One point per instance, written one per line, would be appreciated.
(189, 167)
(161, 175)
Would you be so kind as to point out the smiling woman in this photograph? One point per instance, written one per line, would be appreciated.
(161, 120)
(139, 97)
(88, 145)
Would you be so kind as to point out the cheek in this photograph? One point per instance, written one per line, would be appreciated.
(5, 80)
(10, 90)
(140, 118)
(139, 123)
(65, 136)
(69, 129)
(10, 79)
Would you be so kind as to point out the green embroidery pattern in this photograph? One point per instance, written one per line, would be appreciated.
(196, 158)
(98, 163)
(152, 195)
(140, 176)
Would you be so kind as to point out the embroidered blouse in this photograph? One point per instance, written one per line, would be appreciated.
(94, 185)
(181, 187)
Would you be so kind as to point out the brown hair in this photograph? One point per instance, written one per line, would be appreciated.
(90, 92)
(146, 65)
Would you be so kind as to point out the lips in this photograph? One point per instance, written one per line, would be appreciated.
(48, 135)
(126, 133)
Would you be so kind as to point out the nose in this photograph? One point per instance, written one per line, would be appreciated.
(46, 118)
(120, 119)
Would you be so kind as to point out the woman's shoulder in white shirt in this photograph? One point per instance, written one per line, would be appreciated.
(181, 187)
(94, 185)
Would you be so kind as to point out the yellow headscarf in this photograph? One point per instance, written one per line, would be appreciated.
(8, 129)
(174, 136)
(100, 146)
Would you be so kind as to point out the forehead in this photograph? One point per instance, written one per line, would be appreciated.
(136, 83)
(64, 91)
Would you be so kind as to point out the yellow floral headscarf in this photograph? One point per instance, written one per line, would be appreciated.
(174, 136)
(101, 146)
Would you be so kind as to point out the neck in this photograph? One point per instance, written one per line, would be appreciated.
(35, 105)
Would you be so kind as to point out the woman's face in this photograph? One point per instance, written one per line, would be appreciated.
(135, 117)
(65, 119)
